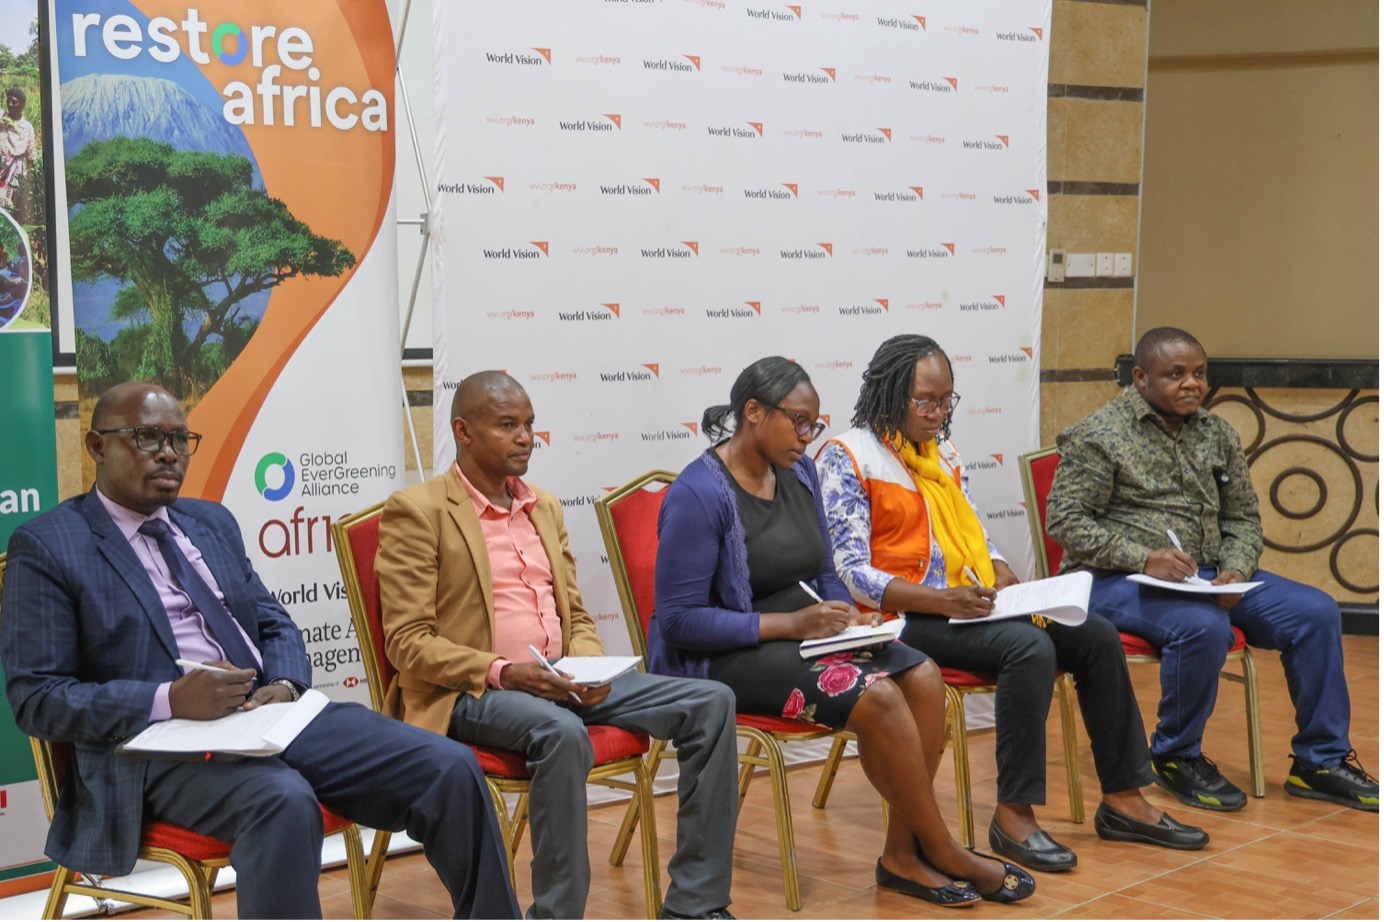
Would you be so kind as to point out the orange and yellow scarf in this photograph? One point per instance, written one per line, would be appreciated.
(954, 523)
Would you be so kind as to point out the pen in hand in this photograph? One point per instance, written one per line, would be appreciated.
(549, 666)
(810, 591)
(1177, 545)
(189, 664)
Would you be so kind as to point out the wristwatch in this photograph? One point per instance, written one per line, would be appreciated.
(288, 684)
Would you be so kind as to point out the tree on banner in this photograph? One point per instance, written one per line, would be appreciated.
(194, 238)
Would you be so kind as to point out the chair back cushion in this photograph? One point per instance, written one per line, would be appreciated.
(1041, 469)
(635, 518)
(362, 541)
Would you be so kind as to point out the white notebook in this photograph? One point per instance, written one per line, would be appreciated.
(852, 638)
(596, 670)
(265, 731)
(1063, 599)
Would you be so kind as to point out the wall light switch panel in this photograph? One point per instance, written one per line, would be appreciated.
(1105, 265)
(1124, 265)
(1081, 265)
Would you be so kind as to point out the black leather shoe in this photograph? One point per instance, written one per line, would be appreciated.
(1167, 832)
(1017, 885)
(951, 896)
(1039, 851)
(722, 913)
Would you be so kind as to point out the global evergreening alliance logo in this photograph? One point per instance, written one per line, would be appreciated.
(274, 459)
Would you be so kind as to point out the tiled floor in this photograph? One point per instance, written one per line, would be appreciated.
(1279, 858)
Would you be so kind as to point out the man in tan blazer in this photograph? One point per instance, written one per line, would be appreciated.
(474, 568)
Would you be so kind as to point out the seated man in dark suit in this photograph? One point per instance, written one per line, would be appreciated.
(105, 592)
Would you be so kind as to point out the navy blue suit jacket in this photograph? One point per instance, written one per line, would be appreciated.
(85, 643)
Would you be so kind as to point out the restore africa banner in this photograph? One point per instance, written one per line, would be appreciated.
(228, 169)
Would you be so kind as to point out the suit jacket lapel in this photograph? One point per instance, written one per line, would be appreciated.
(463, 514)
(116, 549)
(224, 567)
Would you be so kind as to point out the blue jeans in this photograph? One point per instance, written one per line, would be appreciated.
(1193, 633)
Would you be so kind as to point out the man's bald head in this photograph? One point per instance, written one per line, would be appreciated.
(137, 479)
(115, 406)
(1153, 343)
(480, 390)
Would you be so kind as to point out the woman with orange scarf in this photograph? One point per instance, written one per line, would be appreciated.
(908, 540)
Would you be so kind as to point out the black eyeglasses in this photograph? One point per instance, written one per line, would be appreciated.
(804, 427)
(925, 405)
(152, 439)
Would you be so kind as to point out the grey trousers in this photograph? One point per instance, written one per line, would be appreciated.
(696, 714)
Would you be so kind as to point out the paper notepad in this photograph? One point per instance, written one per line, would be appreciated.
(596, 670)
(265, 731)
(852, 638)
(1063, 599)
(1195, 585)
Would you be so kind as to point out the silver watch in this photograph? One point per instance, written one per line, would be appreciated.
(288, 684)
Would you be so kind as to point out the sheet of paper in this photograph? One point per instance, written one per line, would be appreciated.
(266, 730)
(1196, 585)
(596, 670)
(1063, 598)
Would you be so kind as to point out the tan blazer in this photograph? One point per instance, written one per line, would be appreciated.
(436, 597)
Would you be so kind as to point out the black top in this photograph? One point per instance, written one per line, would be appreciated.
(782, 540)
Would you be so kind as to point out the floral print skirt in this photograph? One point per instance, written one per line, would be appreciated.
(772, 679)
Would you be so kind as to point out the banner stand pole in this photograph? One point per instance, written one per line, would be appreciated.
(425, 229)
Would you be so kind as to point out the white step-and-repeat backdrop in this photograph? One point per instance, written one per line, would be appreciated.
(636, 199)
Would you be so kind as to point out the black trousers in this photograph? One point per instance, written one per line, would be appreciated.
(1026, 660)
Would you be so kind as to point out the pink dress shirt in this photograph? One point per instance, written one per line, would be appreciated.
(521, 579)
(194, 641)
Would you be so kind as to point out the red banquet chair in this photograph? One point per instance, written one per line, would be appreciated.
(618, 752)
(1038, 468)
(197, 857)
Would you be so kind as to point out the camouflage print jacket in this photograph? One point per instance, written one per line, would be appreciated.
(1125, 479)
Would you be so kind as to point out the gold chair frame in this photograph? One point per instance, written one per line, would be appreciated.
(512, 823)
(1249, 675)
(763, 748)
(200, 875)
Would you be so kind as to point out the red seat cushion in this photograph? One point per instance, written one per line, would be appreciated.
(779, 724)
(183, 841)
(1138, 646)
(961, 678)
(193, 845)
(610, 744)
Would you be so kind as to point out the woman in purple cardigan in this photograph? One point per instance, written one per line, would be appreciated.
(741, 532)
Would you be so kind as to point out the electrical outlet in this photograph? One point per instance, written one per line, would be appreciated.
(1124, 265)
(1105, 265)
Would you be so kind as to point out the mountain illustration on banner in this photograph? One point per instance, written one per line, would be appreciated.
(100, 106)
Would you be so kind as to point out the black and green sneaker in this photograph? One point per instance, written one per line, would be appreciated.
(1343, 783)
(1197, 782)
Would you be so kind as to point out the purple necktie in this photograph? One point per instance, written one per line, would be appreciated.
(222, 626)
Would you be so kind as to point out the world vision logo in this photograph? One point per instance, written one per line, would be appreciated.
(1032, 34)
(645, 372)
(755, 131)
(906, 23)
(650, 185)
(608, 312)
(776, 14)
(542, 438)
(749, 311)
(875, 308)
(884, 136)
(491, 186)
(945, 85)
(912, 196)
(994, 303)
(593, 126)
(771, 194)
(1023, 356)
(687, 250)
(828, 75)
(941, 251)
(540, 248)
(682, 433)
(1001, 143)
(823, 251)
(1029, 197)
(993, 462)
(690, 64)
(538, 58)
